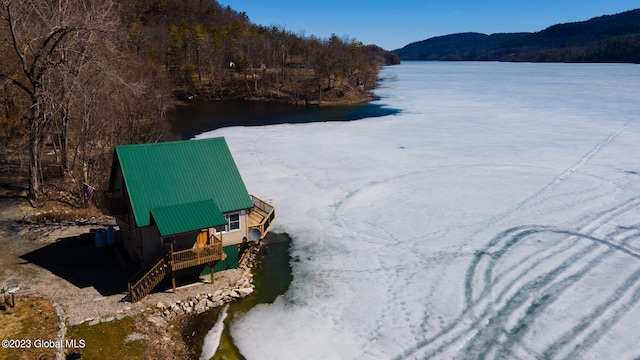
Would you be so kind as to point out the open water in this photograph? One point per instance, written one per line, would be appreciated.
(195, 118)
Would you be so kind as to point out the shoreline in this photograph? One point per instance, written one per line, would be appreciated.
(338, 95)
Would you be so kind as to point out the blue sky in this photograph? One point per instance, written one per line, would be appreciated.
(394, 24)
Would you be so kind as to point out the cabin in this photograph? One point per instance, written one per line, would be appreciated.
(182, 204)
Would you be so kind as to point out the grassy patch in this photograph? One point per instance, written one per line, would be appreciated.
(107, 340)
(32, 319)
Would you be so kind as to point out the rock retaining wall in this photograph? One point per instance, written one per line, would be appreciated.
(203, 302)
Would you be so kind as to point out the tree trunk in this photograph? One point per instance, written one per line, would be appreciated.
(64, 146)
(65, 104)
(34, 146)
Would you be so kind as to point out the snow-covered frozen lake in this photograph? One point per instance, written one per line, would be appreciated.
(497, 216)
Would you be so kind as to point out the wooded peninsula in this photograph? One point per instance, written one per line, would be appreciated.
(78, 77)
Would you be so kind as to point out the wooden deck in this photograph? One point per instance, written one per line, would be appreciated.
(261, 216)
(256, 217)
(197, 256)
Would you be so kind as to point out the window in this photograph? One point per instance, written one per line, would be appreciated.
(233, 222)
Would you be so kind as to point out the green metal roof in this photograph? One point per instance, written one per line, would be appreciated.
(160, 176)
(182, 218)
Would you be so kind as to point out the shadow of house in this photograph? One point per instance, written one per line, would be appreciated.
(77, 260)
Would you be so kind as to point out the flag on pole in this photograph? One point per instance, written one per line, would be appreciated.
(87, 190)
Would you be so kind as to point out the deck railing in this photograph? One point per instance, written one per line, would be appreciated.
(143, 282)
(198, 256)
(261, 204)
(267, 210)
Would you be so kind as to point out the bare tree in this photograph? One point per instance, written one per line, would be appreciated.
(37, 31)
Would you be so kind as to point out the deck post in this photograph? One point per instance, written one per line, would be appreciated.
(173, 273)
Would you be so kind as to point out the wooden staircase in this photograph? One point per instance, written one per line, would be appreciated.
(148, 280)
(144, 281)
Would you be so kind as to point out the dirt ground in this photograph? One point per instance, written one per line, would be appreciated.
(40, 258)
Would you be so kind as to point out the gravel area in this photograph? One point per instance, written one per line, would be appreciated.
(87, 305)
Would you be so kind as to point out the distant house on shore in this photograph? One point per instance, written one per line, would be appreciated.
(182, 204)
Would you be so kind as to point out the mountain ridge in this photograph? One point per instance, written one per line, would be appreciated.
(607, 38)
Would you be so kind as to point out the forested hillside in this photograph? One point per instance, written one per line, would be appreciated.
(80, 76)
(216, 52)
(609, 38)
